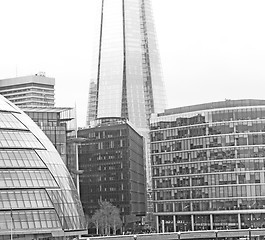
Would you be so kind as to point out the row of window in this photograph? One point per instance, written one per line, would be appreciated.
(32, 95)
(117, 197)
(34, 104)
(24, 199)
(26, 178)
(111, 144)
(20, 158)
(27, 88)
(210, 179)
(33, 92)
(209, 142)
(115, 165)
(7, 120)
(42, 219)
(103, 177)
(18, 139)
(208, 129)
(32, 100)
(106, 134)
(210, 192)
(220, 222)
(231, 165)
(105, 186)
(87, 154)
(206, 116)
(213, 205)
(209, 154)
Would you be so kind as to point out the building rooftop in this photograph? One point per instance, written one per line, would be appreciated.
(45, 109)
(37, 78)
(214, 105)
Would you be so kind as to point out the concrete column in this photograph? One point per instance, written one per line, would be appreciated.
(174, 222)
(163, 226)
(157, 224)
(211, 221)
(192, 222)
(239, 221)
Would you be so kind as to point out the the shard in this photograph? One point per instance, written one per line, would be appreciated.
(126, 76)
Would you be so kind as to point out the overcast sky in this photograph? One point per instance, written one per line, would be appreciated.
(210, 50)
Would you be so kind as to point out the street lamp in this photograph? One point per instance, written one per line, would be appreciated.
(77, 141)
(249, 233)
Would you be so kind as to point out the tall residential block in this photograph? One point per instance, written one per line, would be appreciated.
(208, 164)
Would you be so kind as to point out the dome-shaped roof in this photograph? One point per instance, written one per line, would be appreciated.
(37, 193)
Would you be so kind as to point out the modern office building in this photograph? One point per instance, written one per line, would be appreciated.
(208, 164)
(59, 124)
(38, 199)
(112, 160)
(32, 91)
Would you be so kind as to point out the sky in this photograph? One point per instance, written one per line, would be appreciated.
(211, 50)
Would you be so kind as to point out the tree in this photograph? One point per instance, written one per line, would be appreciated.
(116, 222)
(96, 219)
(107, 217)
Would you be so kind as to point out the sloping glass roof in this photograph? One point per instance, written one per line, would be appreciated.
(37, 194)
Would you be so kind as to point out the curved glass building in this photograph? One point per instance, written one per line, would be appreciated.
(208, 166)
(37, 196)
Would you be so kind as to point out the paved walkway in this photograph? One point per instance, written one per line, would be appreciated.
(242, 233)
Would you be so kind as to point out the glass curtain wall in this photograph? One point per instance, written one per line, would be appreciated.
(128, 82)
(208, 167)
(36, 190)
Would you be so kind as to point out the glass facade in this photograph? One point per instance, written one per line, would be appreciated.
(128, 81)
(126, 76)
(208, 166)
(112, 160)
(59, 125)
(37, 195)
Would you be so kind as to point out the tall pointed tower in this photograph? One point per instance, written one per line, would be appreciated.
(127, 79)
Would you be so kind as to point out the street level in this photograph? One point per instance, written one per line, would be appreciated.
(211, 234)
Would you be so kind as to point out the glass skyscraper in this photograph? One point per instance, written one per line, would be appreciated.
(127, 79)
